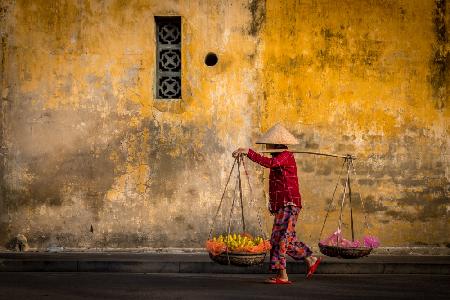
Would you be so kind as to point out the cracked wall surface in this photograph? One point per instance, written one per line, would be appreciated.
(89, 159)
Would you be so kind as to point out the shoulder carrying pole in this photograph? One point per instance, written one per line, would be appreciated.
(309, 152)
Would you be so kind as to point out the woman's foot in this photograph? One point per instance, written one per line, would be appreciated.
(278, 280)
(313, 263)
(281, 277)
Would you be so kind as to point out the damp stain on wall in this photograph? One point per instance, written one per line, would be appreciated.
(440, 61)
(257, 9)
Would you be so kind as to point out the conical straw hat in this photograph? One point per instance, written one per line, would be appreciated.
(277, 135)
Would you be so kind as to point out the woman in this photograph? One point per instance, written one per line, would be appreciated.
(285, 202)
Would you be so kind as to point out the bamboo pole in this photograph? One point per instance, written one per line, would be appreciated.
(308, 152)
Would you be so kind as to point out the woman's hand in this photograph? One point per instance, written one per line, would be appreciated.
(239, 152)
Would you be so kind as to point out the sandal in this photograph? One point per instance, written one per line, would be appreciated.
(277, 280)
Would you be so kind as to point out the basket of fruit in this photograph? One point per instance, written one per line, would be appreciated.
(238, 249)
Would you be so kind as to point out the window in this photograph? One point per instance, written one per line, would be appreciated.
(168, 57)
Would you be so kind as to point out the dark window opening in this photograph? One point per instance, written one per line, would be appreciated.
(168, 57)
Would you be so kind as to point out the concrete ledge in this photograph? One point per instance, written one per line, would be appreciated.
(397, 251)
(128, 266)
(16, 265)
(200, 263)
(390, 251)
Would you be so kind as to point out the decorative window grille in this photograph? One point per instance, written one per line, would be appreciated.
(168, 58)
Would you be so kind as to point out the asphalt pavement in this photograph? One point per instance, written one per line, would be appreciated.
(80, 285)
(201, 263)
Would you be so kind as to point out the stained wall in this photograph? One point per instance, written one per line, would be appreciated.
(90, 159)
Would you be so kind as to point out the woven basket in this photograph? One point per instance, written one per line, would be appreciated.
(342, 252)
(242, 259)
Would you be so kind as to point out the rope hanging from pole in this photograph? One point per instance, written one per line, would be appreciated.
(331, 202)
(257, 253)
(221, 199)
(239, 160)
(237, 190)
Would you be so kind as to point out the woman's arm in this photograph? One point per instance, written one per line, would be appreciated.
(268, 162)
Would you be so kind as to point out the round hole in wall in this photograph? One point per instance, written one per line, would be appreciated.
(211, 59)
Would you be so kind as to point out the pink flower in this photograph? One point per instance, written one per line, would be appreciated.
(371, 241)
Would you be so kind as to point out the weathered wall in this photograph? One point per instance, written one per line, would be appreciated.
(85, 144)
(369, 78)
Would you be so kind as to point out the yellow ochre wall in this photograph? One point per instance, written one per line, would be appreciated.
(89, 159)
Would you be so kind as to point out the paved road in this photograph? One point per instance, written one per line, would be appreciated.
(208, 286)
(201, 263)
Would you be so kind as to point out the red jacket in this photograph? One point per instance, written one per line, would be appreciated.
(283, 181)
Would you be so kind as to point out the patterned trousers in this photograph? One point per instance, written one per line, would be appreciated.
(284, 240)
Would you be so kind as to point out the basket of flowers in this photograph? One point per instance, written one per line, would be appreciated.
(238, 249)
(232, 248)
(337, 246)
